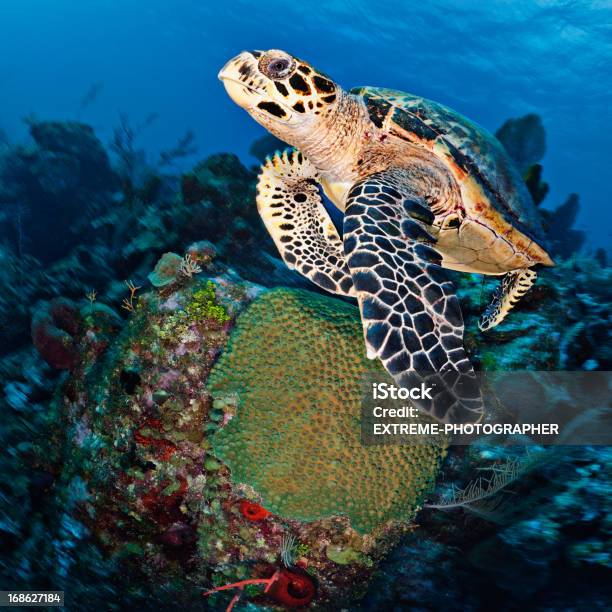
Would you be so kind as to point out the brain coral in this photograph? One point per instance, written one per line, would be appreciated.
(296, 362)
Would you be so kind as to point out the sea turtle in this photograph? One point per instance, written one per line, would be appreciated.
(421, 187)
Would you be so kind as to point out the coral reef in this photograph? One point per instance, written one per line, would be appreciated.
(111, 224)
(537, 548)
(46, 187)
(65, 334)
(524, 139)
(563, 239)
(564, 323)
(77, 141)
(296, 437)
(141, 464)
(166, 271)
(142, 435)
(54, 326)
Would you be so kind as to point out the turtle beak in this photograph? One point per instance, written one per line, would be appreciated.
(242, 80)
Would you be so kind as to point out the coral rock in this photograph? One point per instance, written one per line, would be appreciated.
(296, 363)
(166, 270)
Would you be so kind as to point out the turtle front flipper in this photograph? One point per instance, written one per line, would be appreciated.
(513, 286)
(411, 316)
(290, 205)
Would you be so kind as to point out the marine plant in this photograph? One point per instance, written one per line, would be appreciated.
(474, 496)
(204, 306)
(184, 147)
(123, 145)
(129, 303)
(524, 138)
(268, 582)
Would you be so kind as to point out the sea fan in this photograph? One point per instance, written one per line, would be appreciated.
(480, 496)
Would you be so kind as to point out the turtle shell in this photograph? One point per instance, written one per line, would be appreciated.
(475, 148)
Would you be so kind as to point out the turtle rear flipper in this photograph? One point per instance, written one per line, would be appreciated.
(411, 316)
(290, 205)
(513, 286)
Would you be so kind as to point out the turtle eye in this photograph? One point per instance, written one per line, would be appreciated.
(277, 67)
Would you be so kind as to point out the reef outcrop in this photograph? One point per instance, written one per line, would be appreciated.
(165, 437)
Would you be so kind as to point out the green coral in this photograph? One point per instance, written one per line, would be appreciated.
(296, 362)
(204, 305)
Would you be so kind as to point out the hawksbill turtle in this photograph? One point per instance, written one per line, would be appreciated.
(421, 187)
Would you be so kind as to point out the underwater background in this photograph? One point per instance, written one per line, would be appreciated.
(487, 60)
(162, 372)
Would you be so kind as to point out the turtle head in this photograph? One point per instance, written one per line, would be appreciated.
(281, 92)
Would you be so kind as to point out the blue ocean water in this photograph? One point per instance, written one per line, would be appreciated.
(488, 60)
(109, 489)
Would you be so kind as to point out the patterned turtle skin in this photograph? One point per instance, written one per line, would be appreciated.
(421, 188)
